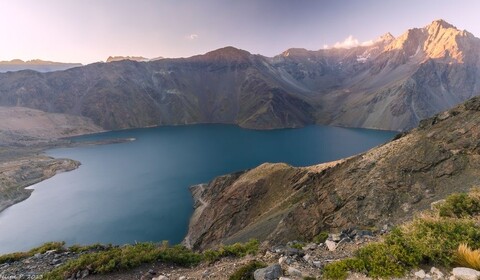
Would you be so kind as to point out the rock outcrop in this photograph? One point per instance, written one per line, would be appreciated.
(383, 186)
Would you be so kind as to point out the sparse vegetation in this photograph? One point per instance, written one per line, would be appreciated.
(246, 272)
(128, 256)
(110, 258)
(430, 239)
(321, 237)
(22, 255)
(297, 245)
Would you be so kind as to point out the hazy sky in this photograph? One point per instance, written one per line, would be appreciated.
(90, 30)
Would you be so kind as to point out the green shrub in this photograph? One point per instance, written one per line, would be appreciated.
(297, 245)
(379, 261)
(460, 206)
(246, 272)
(179, 255)
(321, 237)
(234, 250)
(336, 270)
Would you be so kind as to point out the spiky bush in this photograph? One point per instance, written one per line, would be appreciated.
(467, 257)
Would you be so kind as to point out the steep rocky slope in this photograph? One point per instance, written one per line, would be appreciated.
(385, 185)
(391, 84)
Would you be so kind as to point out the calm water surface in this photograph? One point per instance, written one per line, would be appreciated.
(138, 191)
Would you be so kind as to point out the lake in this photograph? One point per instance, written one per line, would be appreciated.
(138, 191)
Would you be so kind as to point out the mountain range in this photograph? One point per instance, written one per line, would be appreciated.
(391, 84)
(36, 65)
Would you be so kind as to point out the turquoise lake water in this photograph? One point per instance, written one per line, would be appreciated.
(138, 191)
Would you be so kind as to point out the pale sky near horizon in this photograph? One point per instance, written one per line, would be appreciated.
(87, 31)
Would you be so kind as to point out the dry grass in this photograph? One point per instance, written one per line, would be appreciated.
(467, 257)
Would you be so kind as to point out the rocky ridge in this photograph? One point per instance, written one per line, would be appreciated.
(381, 187)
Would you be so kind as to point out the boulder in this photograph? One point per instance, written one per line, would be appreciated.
(292, 271)
(309, 246)
(335, 237)
(436, 273)
(463, 273)
(420, 274)
(331, 245)
(268, 273)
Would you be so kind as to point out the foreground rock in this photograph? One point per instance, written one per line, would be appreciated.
(33, 267)
(268, 273)
(376, 189)
(463, 273)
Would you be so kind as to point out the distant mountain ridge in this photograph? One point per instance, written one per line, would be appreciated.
(36, 65)
(392, 84)
(133, 58)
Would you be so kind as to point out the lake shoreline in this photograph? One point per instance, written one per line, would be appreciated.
(18, 163)
(178, 153)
